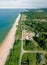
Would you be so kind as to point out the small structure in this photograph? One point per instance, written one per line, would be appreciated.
(36, 34)
(25, 62)
(24, 27)
(27, 41)
(27, 38)
(40, 58)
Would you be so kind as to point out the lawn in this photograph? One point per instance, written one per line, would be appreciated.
(32, 45)
(45, 55)
(31, 57)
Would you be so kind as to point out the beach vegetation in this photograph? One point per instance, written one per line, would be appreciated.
(14, 56)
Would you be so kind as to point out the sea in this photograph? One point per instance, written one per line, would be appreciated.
(7, 18)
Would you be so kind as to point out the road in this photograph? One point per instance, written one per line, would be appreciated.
(26, 51)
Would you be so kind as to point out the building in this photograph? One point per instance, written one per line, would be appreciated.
(40, 58)
(25, 62)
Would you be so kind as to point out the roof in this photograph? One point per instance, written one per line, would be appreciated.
(27, 37)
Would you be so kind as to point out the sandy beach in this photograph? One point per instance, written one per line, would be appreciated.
(8, 42)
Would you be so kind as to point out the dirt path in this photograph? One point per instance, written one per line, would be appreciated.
(26, 51)
(8, 42)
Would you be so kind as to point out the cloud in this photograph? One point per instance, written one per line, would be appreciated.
(23, 3)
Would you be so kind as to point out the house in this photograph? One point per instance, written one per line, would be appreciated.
(24, 27)
(40, 58)
(27, 35)
(27, 38)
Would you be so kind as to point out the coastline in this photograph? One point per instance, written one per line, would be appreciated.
(8, 42)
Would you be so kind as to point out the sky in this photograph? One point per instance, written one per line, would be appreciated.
(23, 3)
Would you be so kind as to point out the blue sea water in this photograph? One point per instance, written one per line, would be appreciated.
(7, 18)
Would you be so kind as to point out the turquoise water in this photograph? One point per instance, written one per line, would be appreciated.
(7, 18)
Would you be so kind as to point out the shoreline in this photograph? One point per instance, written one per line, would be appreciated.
(8, 42)
(8, 32)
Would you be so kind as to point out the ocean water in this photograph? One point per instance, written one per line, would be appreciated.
(7, 18)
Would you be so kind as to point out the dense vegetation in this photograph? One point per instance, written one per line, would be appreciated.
(36, 25)
(34, 58)
(31, 57)
(42, 40)
(29, 45)
(36, 20)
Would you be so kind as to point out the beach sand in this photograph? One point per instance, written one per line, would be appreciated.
(7, 44)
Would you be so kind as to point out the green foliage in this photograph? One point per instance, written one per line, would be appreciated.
(42, 40)
(31, 57)
(28, 45)
(13, 57)
(37, 25)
